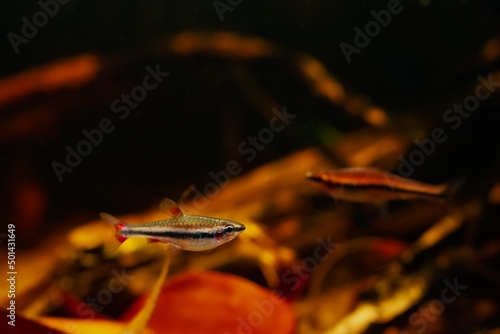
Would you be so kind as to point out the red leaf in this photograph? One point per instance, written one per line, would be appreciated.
(22, 325)
(209, 302)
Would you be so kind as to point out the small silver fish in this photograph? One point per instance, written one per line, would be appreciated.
(188, 232)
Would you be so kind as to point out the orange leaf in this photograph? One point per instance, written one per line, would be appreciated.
(209, 302)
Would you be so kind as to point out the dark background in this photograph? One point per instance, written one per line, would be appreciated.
(425, 50)
(427, 58)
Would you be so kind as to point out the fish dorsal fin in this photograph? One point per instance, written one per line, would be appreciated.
(170, 208)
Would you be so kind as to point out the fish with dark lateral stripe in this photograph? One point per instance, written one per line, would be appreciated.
(374, 185)
(188, 232)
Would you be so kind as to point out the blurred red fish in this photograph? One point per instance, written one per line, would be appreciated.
(374, 185)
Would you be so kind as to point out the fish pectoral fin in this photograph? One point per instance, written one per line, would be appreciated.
(172, 247)
(170, 208)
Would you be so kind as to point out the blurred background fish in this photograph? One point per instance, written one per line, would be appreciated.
(374, 185)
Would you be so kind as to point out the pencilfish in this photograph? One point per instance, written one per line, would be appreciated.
(187, 232)
(374, 185)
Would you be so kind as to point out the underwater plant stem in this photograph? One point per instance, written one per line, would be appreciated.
(139, 322)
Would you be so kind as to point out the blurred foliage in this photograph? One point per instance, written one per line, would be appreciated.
(225, 80)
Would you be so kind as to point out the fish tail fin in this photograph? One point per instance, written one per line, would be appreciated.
(116, 238)
(111, 245)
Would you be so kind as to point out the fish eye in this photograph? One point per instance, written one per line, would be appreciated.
(229, 229)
